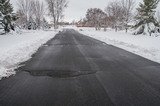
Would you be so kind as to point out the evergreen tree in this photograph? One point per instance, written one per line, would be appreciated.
(146, 22)
(6, 15)
(45, 24)
(31, 24)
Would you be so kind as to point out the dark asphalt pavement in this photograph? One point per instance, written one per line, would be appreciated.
(76, 70)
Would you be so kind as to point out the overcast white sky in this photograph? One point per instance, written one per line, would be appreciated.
(77, 8)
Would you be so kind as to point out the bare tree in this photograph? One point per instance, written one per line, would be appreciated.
(128, 6)
(115, 11)
(107, 22)
(158, 16)
(56, 9)
(95, 17)
(39, 12)
(30, 12)
(25, 10)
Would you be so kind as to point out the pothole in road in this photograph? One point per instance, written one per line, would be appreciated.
(60, 73)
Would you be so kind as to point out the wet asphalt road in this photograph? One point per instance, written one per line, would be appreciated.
(76, 70)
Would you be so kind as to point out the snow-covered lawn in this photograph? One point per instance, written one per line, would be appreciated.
(17, 48)
(145, 46)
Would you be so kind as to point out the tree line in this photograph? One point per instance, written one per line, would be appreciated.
(30, 14)
(118, 14)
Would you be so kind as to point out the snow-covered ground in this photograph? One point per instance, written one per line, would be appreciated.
(17, 48)
(145, 46)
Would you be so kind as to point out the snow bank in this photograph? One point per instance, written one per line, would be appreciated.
(17, 48)
(145, 46)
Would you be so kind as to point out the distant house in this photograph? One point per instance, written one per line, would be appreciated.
(84, 24)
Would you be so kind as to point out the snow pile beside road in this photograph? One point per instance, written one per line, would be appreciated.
(17, 48)
(145, 46)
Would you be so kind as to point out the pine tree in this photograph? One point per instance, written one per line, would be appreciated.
(6, 15)
(45, 24)
(146, 22)
(31, 24)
